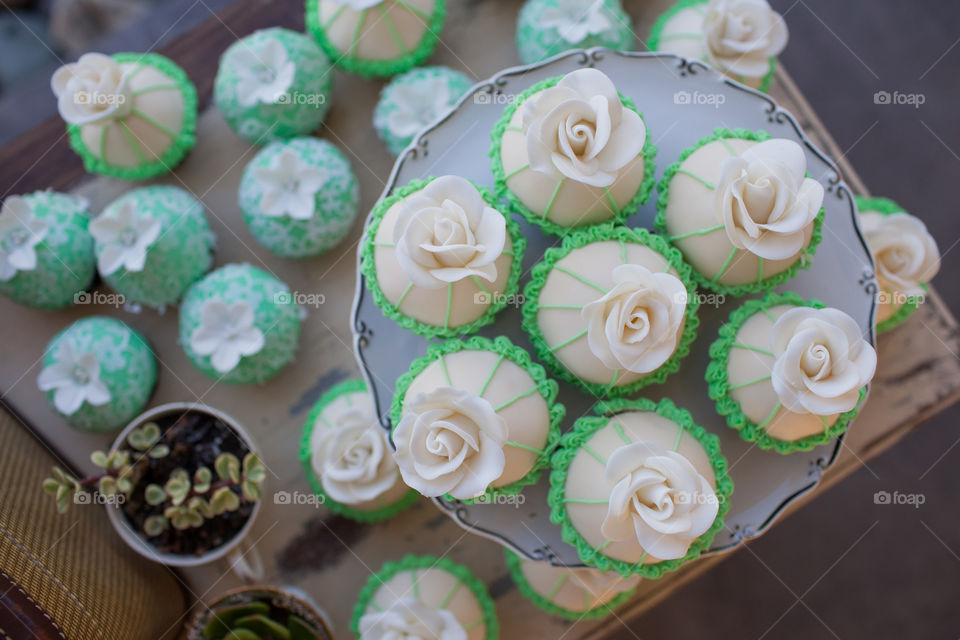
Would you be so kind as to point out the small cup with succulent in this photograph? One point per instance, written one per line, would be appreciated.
(251, 613)
(186, 482)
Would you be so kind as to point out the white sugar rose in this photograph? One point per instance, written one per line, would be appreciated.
(637, 324)
(450, 441)
(353, 459)
(579, 129)
(92, 90)
(407, 618)
(766, 203)
(658, 498)
(821, 361)
(905, 252)
(742, 35)
(447, 232)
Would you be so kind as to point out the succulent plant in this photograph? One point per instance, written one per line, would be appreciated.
(187, 500)
(257, 620)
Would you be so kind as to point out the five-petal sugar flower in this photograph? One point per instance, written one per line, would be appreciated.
(580, 130)
(447, 232)
(742, 35)
(905, 252)
(821, 361)
(658, 498)
(92, 90)
(123, 238)
(264, 73)
(417, 105)
(450, 441)
(20, 233)
(353, 459)
(74, 378)
(407, 618)
(290, 185)
(226, 334)
(765, 202)
(576, 20)
(637, 324)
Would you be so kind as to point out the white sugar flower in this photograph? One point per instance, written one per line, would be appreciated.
(742, 35)
(92, 90)
(353, 459)
(74, 378)
(289, 186)
(576, 20)
(264, 73)
(418, 105)
(123, 238)
(226, 334)
(410, 619)
(20, 233)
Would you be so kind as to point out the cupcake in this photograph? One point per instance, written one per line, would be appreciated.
(272, 85)
(440, 259)
(491, 406)
(129, 115)
(571, 151)
(239, 325)
(611, 310)
(548, 27)
(98, 374)
(424, 597)
(348, 459)
(740, 208)
(299, 197)
(414, 100)
(789, 374)
(639, 489)
(152, 243)
(741, 38)
(575, 594)
(46, 251)
(376, 37)
(905, 254)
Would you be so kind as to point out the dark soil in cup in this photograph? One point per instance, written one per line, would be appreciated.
(195, 439)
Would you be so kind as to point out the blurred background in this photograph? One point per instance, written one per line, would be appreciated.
(843, 567)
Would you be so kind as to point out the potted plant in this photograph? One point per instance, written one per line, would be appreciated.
(182, 484)
(259, 613)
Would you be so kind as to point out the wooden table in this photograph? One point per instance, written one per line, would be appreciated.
(302, 545)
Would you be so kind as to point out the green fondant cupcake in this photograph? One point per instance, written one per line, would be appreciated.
(273, 84)
(376, 37)
(789, 374)
(46, 251)
(347, 456)
(98, 374)
(129, 115)
(414, 100)
(239, 324)
(299, 197)
(152, 243)
(546, 28)
(424, 597)
(639, 488)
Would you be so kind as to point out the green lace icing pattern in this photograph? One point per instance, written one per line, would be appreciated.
(546, 387)
(180, 256)
(536, 43)
(335, 203)
(66, 265)
(887, 207)
(307, 100)
(368, 267)
(719, 384)
(500, 176)
(575, 240)
(660, 223)
(583, 430)
(305, 454)
(412, 563)
(514, 565)
(179, 147)
(379, 68)
(656, 33)
(127, 368)
(275, 315)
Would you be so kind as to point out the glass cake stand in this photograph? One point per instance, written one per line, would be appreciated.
(682, 101)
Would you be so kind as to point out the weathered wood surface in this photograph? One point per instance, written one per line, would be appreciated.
(302, 544)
